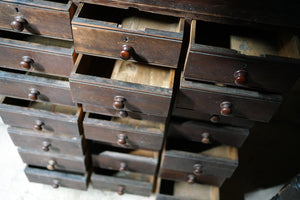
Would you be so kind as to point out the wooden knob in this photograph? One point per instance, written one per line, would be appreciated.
(33, 94)
(122, 139)
(51, 164)
(214, 119)
(26, 62)
(122, 166)
(205, 138)
(55, 184)
(18, 24)
(123, 114)
(38, 125)
(121, 190)
(45, 146)
(240, 77)
(225, 108)
(197, 169)
(191, 179)
(126, 52)
(118, 102)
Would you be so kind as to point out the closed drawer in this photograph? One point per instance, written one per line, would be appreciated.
(140, 161)
(122, 85)
(42, 117)
(52, 161)
(243, 57)
(123, 182)
(125, 133)
(171, 190)
(49, 18)
(207, 133)
(231, 102)
(36, 54)
(148, 38)
(46, 142)
(56, 179)
(35, 87)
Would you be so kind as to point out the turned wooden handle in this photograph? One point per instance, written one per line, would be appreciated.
(38, 125)
(118, 102)
(122, 139)
(240, 77)
(214, 119)
(197, 169)
(55, 183)
(46, 146)
(51, 164)
(225, 108)
(26, 62)
(191, 179)
(126, 52)
(205, 138)
(33, 94)
(121, 190)
(18, 24)
(122, 166)
(123, 114)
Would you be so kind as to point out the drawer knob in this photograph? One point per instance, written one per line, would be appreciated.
(215, 119)
(18, 24)
(26, 62)
(240, 77)
(46, 146)
(197, 169)
(225, 108)
(126, 52)
(122, 139)
(33, 94)
(38, 125)
(191, 179)
(121, 190)
(55, 184)
(51, 164)
(118, 102)
(205, 138)
(122, 166)
(123, 114)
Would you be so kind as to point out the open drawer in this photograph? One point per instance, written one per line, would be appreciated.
(243, 57)
(140, 161)
(36, 54)
(41, 116)
(122, 182)
(122, 85)
(49, 18)
(128, 33)
(125, 133)
(35, 87)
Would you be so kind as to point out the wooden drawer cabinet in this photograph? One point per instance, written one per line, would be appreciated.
(56, 179)
(122, 85)
(36, 54)
(35, 87)
(242, 57)
(46, 142)
(49, 18)
(125, 133)
(129, 34)
(41, 116)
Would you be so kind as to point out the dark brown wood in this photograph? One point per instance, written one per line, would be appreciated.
(28, 139)
(105, 130)
(26, 16)
(95, 36)
(54, 161)
(291, 191)
(126, 52)
(36, 87)
(36, 54)
(61, 179)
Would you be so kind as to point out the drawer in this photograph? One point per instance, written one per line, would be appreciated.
(171, 190)
(243, 57)
(196, 159)
(128, 34)
(46, 142)
(56, 179)
(140, 161)
(42, 117)
(231, 102)
(49, 18)
(122, 85)
(125, 133)
(35, 87)
(53, 161)
(122, 182)
(36, 54)
(206, 133)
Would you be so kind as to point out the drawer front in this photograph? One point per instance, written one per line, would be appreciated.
(54, 161)
(35, 88)
(28, 18)
(56, 179)
(43, 143)
(125, 162)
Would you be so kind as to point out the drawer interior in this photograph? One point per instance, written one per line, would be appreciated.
(131, 19)
(246, 40)
(125, 71)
